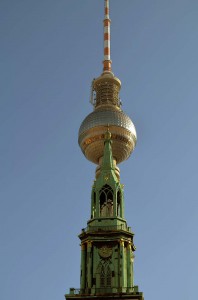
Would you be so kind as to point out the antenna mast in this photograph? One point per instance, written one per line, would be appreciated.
(107, 57)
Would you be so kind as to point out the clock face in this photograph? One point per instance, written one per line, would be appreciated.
(105, 251)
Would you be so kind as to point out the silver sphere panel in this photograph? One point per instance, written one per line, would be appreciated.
(107, 117)
(92, 132)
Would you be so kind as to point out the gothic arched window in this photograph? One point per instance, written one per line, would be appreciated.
(118, 204)
(106, 201)
(94, 204)
(105, 274)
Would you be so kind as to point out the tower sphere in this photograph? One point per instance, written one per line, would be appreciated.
(107, 115)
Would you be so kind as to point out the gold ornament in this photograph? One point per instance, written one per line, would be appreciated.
(105, 251)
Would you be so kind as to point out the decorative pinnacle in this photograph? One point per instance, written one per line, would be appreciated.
(107, 163)
(107, 134)
(107, 57)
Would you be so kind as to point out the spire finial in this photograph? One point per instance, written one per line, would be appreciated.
(107, 57)
(107, 162)
(107, 134)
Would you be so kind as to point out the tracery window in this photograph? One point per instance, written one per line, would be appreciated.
(106, 201)
(105, 274)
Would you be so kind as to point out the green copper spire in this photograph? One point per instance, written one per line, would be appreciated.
(107, 192)
(107, 249)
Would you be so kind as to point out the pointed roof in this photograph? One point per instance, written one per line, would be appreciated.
(107, 162)
(107, 171)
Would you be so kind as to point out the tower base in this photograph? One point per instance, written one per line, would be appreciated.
(103, 294)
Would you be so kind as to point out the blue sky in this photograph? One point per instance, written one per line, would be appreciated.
(50, 52)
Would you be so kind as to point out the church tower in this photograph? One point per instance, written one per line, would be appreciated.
(107, 137)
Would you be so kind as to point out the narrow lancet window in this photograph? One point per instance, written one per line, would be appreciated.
(102, 277)
(94, 205)
(118, 204)
(106, 201)
(108, 276)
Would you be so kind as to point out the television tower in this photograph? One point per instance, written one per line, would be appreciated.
(107, 137)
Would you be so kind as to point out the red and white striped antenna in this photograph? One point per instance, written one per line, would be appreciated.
(107, 55)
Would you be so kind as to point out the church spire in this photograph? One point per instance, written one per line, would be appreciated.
(107, 49)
